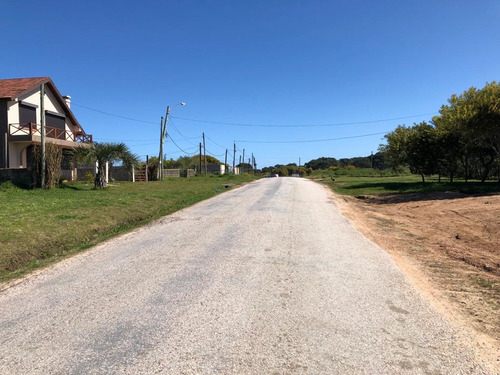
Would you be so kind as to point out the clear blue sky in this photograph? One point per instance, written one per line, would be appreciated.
(262, 63)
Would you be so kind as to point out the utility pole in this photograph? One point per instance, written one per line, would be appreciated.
(42, 131)
(234, 157)
(200, 159)
(163, 133)
(225, 163)
(205, 154)
(243, 158)
(160, 157)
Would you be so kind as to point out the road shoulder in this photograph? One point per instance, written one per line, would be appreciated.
(454, 274)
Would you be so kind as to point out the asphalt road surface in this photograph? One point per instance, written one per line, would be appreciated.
(266, 279)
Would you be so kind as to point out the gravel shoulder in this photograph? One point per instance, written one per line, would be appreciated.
(268, 278)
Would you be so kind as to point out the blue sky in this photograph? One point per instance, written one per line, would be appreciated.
(270, 65)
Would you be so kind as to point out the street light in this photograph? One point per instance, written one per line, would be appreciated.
(163, 133)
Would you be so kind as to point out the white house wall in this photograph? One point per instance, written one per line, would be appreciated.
(17, 154)
(13, 113)
(17, 150)
(50, 104)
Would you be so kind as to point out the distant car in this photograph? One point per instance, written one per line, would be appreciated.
(274, 175)
(295, 175)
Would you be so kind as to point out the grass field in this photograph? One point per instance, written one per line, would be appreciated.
(38, 227)
(405, 184)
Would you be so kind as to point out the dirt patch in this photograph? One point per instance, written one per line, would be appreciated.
(448, 244)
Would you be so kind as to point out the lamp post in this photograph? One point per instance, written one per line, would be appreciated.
(163, 133)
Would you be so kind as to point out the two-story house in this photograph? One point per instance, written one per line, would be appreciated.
(20, 120)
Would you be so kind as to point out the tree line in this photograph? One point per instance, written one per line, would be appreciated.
(463, 141)
(375, 161)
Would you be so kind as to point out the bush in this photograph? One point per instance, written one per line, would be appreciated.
(53, 160)
(89, 179)
(7, 186)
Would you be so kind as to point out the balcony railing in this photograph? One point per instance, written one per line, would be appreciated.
(50, 132)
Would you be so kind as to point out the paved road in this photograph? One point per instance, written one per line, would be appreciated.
(266, 279)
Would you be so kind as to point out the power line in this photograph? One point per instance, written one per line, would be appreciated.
(316, 140)
(188, 153)
(125, 140)
(215, 142)
(182, 135)
(261, 125)
(304, 125)
(215, 155)
(113, 115)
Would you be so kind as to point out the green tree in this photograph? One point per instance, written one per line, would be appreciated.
(422, 151)
(106, 152)
(395, 150)
(451, 150)
(245, 168)
(415, 147)
(321, 163)
(282, 170)
(473, 118)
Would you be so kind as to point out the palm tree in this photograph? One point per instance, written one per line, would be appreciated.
(106, 152)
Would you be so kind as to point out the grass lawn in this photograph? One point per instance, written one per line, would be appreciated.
(39, 227)
(376, 185)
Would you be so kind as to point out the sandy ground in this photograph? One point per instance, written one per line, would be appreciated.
(449, 245)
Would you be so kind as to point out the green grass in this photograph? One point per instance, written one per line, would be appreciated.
(39, 227)
(405, 184)
(357, 172)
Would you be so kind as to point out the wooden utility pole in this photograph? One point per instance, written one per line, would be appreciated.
(225, 163)
(163, 133)
(160, 156)
(234, 157)
(243, 158)
(200, 159)
(42, 131)
(205, 154)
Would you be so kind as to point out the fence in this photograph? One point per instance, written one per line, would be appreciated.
(172, 172)
(19, 177)
(115, 173)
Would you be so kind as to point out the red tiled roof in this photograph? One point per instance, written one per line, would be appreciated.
(12, 88)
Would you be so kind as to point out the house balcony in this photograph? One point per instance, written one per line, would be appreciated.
(31, 132)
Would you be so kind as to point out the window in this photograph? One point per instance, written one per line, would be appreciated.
(27, 114)
(55, 125)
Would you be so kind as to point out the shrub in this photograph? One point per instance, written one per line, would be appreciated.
(53, 160)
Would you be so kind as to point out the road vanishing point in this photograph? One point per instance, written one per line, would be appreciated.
(268, 278)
